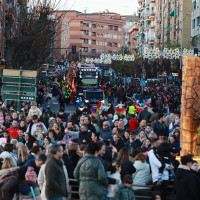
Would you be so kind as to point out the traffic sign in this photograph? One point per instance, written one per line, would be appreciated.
(16, 80)
(170, 77)
(16, 73)
(19, 97)
(14, 88)
(128, 79)
(142, 83)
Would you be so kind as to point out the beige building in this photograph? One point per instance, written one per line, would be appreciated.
(169, 16)
(146, 33)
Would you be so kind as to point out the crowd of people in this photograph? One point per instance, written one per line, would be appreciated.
(112, 156)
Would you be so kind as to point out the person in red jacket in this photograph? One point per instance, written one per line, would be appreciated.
(133, 123)
(14, 130)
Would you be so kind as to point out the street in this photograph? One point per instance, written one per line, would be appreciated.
(54, 106)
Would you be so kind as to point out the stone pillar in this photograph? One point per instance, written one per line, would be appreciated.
(190, 107)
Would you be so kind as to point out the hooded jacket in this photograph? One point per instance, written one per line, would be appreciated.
(106, 134)
(124, 193)
(142, 175)
(90, 172)
(187, 184)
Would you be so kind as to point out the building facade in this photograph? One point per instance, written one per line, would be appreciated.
(173, 23)
(195, 33)
(91, 33)
(133, 34)
(146, 11)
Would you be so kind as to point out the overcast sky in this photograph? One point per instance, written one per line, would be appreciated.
(125, 7)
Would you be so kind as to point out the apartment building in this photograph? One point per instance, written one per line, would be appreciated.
(130, 21)
(133, 34)
(173, 23)
(147, 13)
(91, 33)
(195, 26)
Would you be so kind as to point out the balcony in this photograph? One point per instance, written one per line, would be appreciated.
(152, 15)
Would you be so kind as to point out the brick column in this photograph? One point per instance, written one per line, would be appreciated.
(190, 107)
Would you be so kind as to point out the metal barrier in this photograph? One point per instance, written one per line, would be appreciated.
(171, 195)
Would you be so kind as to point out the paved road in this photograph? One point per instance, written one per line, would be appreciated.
(55, 106)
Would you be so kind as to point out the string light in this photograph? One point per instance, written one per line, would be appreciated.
(147, 53)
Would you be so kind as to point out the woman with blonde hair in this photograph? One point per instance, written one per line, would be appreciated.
(8, 165)
(141, 136)
(23, 155)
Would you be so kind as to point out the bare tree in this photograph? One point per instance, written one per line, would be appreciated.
(32, 33)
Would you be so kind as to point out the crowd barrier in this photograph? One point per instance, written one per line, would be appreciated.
(171, 195)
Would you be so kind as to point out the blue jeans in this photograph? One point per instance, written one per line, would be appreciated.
(54, 198)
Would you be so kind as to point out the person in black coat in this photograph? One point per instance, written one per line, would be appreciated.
(29, 140)
(84, 135)
(117, 142)
(133, 142)
(126, 165)
(159, 126)
(145, 114)
(187, 183)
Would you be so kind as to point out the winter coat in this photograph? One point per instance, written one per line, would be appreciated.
(118, 145)
(9, 184)
(92, 177)
(155, 165)
(55, 178)
(6, 154)
(106, 134)
(20, 163)
(42, 180)
(124, 193)
(142, 175)
(14, 132)
(169, 119)
(145, 114)
(113, 187)
(160, 129)
(26, 194)
(133, 124)
(187, 184)
(127, 169)
(35, 111)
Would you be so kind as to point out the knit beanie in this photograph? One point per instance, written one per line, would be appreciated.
(31, 175)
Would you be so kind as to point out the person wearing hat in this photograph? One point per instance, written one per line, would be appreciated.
(34, 110)
(33, 125)
(28, 189)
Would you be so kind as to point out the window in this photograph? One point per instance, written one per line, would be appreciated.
(193, 23)
(198, 21)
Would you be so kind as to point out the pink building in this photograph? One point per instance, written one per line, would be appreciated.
(91, 33)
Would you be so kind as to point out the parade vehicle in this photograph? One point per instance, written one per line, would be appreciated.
(94, 96)
(87, 77)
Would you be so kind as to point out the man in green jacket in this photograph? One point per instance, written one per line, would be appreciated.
(56, 188)
(91, 175)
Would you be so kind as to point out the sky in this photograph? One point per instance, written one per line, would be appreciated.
(124, 7)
